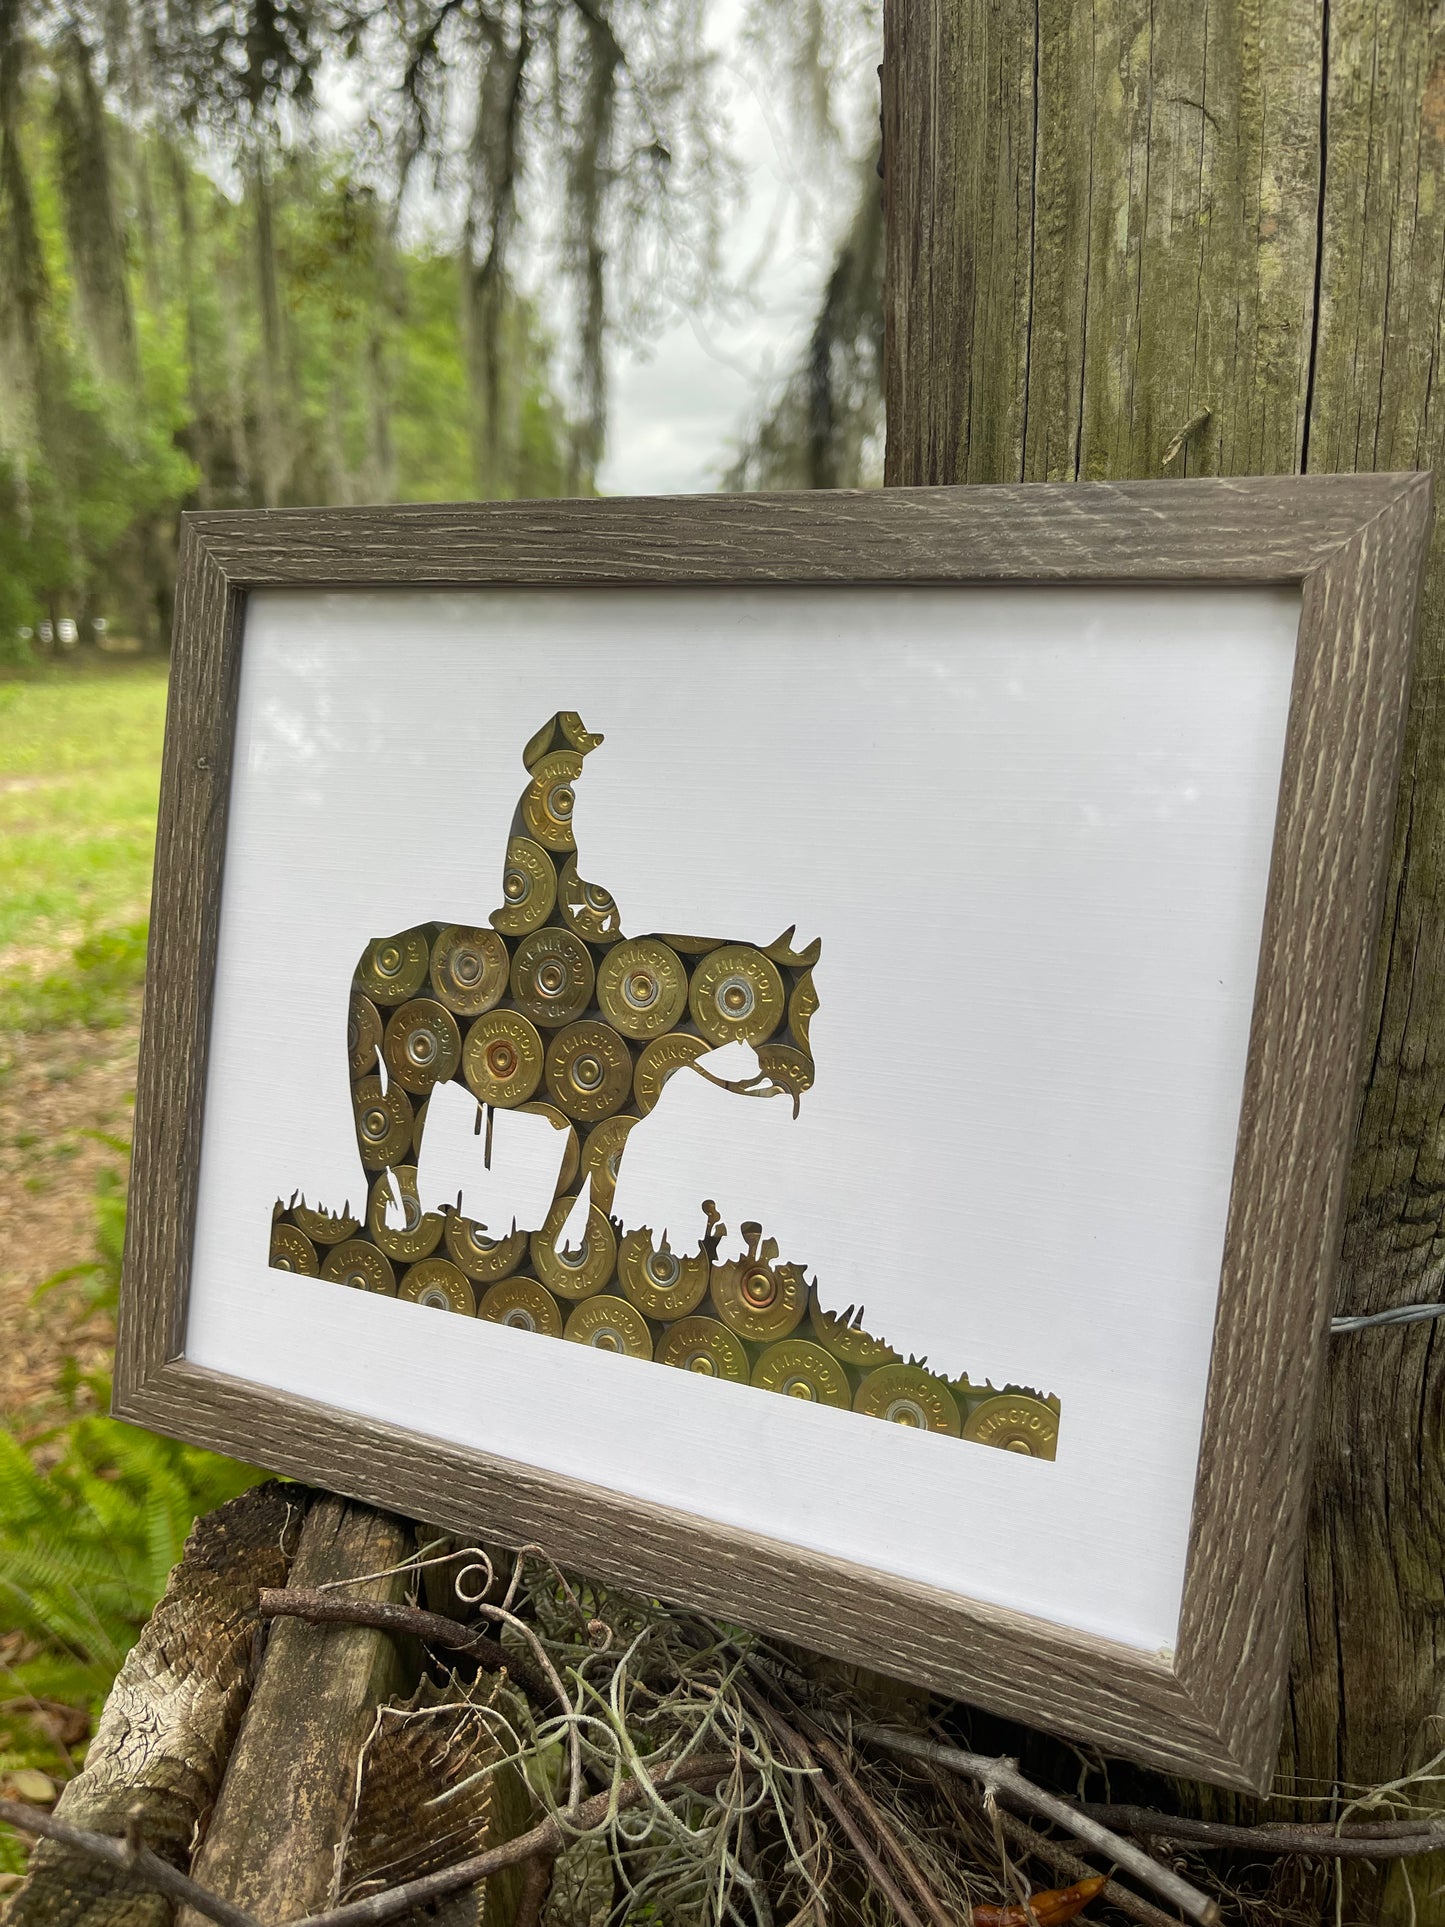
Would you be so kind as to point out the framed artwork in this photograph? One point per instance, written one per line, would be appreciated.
(799, 1051)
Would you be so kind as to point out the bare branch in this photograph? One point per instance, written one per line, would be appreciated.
(793, 1744)
(1379, 1840)
(999, 1776)
(433, 1629)
(546, 1839)
(126, 1856)
(1053, 1853)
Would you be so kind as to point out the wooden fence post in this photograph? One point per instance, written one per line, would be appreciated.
(278, 1834)
(1153, 237)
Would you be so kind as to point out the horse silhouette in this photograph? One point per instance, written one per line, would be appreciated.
(479, 1055)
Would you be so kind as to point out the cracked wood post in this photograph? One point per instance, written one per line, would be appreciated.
(276, 1839)
(1150, 237)
(162, 1742)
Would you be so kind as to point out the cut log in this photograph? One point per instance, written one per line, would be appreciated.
(280, 1825)
(170, 1722)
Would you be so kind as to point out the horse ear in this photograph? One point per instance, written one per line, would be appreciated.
(783, 952)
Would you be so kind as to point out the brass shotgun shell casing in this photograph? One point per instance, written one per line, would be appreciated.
(292, 1250)
(758, 1299)
(523, 1304)
(1016, 1422)
(421, 1233)
(848, 1342)
(589, 1071)
(575, 733)
(659, 1060)
(802, 1006)
(609, 1324)
(799, 1368)
(659, 1282)
(549, 799)
(572, 1155)
(552, 976)
(791, 1070)
(324, 1227)
(704, 1346)
(602, 1155)
(482, 1257)
(363, 1035)
(435, 1283)
(690, 946)
(908, 1395)
(782, 952)
(394, 968)
(537, 746)
(574, 1272)
(502, 1059)
(469, 969)
(423, 1045)
(736, 995)
(642, 987)
(529, 888)
(384, 1122)
(360, 1265)
(587, 908)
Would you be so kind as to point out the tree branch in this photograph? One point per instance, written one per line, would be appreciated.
(433, 1629)
(1378, 1840)
(1053, 1853)
(126, 1856)
(792, 1743)
(999, 1776)
(549, 1838)
(543, 1841)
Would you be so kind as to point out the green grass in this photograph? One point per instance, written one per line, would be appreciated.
(92, 1513)
(79, 780)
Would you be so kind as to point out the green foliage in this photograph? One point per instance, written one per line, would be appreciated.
(86, 1544)
(95, 989)
(79, 775)
(97, 1282)
(93, 1515)
(263, 343)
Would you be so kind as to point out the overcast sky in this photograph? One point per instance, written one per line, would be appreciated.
(680, 402)
(681, 399)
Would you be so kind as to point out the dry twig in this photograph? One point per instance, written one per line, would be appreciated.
(793, 1744)
(433, 1629)
(1375, 1840)
(1026, 1842)
(544, 1841)
(998, 1776)
(832, 1757)
(129, 1855)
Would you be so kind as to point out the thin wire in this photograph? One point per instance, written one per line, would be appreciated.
(1398, 1315)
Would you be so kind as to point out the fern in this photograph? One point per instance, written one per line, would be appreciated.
(93, 1515)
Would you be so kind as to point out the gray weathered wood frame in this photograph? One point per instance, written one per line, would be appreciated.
(1354, 545)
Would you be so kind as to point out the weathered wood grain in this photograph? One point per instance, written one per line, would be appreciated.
(277, 1838)
(169, 1723)
(1151, 237)
(1353, 546)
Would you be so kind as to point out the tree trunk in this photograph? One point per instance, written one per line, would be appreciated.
(1153, 237)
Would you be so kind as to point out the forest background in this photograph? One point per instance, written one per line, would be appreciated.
(275, 252)
(267, 253)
